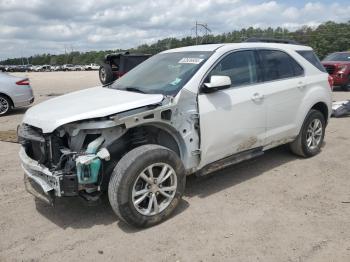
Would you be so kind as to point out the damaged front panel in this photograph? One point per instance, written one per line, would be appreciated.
(80, 156)
(177, 116)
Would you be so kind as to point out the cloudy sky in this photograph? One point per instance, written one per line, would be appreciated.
(49, 26)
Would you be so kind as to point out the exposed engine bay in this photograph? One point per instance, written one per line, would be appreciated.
(78, 158)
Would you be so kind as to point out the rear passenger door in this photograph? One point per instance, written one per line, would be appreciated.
(284, 87)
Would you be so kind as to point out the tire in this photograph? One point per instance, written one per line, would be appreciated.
(5, 105)
(126, 177)
(106, 74)
(301, 145)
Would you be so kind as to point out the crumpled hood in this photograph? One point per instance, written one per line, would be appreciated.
(85, 104)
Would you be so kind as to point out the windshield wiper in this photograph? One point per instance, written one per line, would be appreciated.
(134, 89)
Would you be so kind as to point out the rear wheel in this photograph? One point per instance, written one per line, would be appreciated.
(5, 105)
(146, 185)
(106, 74)
(310, 139)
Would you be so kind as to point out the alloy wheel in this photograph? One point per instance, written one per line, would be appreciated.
(154, 189)
(4, 106)
(103, 74)
(314, 134)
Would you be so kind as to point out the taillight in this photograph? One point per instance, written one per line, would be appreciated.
(23, 82)
(330, 81)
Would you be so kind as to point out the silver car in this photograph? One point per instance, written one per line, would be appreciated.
(14, 92)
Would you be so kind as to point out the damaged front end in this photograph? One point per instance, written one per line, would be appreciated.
(78, 158)
(68, 162)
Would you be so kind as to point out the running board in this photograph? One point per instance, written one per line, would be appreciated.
(231, 160)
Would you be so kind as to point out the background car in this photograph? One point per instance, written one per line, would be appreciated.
(14, 92)
(117, 64)
(68, 67)
(338, 66)
(92, 67)
(56, 68)
(78, 68)
(37, 68)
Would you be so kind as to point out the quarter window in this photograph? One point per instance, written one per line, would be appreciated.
(312, 58)
(278, 65)
(239, 66)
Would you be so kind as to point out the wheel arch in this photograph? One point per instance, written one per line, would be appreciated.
(8, 97)
(323, 108)
(318, 97)
(163, 135)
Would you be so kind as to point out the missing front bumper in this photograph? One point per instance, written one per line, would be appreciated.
(42, 176)
(36, 190)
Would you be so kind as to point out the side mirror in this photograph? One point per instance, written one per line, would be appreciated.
(217, 82)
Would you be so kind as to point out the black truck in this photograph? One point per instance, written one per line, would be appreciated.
(117, 64)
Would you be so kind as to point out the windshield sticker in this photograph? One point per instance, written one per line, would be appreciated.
(189, 60)
(176, 81)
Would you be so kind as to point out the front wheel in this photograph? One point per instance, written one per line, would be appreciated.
(146, 185)
(310, 139)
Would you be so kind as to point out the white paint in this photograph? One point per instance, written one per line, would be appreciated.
(230, 120)
(85, 104)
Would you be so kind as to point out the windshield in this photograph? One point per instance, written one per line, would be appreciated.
(165, 73)
(338, 57)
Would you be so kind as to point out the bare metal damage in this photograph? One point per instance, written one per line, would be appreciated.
(182, 125)
(177, 118)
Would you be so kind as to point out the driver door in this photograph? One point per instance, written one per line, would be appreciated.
(233, 120)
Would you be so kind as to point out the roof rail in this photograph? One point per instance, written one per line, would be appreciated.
(271, 40)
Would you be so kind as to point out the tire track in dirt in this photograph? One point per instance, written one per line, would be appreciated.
(9, 136)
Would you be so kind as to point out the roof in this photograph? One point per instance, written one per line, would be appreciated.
(193, 48)
(228, 46)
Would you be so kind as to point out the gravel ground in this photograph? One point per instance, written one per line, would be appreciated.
(273, 208)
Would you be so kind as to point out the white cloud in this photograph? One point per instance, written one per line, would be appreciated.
(37, 26)
(291, 13)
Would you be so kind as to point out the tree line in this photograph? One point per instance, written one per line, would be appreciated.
(326, 38)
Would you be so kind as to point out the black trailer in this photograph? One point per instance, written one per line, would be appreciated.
(117, 64)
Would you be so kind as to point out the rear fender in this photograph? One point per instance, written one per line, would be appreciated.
(317, 94)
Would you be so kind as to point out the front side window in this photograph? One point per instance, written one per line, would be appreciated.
(239, 66)
(278, 65)
(164, 73)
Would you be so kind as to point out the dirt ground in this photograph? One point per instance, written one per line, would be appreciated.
(273, 208)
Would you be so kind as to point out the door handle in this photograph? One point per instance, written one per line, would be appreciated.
(257, 97)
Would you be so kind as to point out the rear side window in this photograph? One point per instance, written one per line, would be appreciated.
(312, 58)
(278, 65)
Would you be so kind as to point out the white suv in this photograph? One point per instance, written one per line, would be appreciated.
(190, 110)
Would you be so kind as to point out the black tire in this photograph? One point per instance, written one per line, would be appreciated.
(5, 105)
(106, 74)
(300, 145)
(126, 174)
